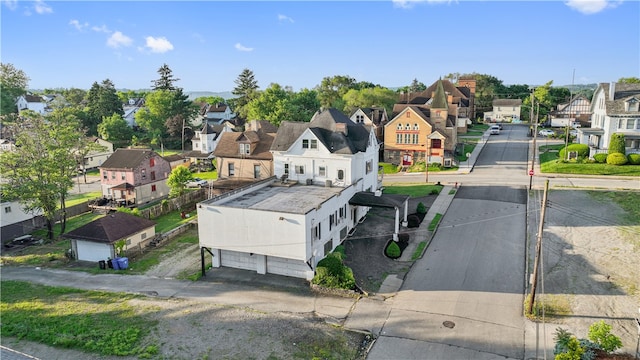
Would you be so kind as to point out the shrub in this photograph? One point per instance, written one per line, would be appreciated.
(413, 221)
(421, 209)
(581, 149)
(434, 192)
(393, 250)
(332, 273)
(616, 159)
(616, 144)
(600, 333)
(600, 158)
(634, 159)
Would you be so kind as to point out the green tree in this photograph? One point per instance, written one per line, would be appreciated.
(166, 80)
(305, 104)
(74, 96)
(629, 80)
(616, 144)
(13, 83)
(212, 100)
(246, 89)
(152, 118)
(102, 101)
(115, 129)
(332, 89)
(273, 104)
(488, 88)
(370, 97)
(178, 179)
(39, 173)
(416, 86)
(600, 333)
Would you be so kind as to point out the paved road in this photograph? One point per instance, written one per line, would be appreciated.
(464, 298)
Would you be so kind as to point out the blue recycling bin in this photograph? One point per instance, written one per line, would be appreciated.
(115, 264)
(123, 263)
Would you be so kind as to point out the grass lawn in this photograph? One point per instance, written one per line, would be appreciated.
(413, 190)
(80, 198)
(549, 163)
(92, 321)
(468, 149)
(434, 223)
(171, 220)
(208, 175)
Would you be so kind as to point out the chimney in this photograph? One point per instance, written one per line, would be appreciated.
(342, 127)
(612, 91)
(449, 98)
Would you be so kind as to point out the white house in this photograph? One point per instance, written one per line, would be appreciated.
(615, 108)
(33, 103)
(205, 141)
(285, 225)
(96, 158)
(217, 112)
(504, 110)
(15, 222)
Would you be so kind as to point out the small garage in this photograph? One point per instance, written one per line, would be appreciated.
(96, 240)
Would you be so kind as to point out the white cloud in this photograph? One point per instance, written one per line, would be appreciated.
(240, 47)
(41, 8)
(284, 18)
(102, 29)
(158, 45)
(11, 4)
(79, 26)
(592, 6)
(408, 4)
(118, 39)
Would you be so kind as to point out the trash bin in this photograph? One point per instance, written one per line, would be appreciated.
(116, 265)
(110, 263)
(102, 264)
(123, 263)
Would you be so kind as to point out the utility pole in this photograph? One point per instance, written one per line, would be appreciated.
(426, 162)
(535, 134)
(534, 281)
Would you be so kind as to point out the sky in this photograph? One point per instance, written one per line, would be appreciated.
(207, 44)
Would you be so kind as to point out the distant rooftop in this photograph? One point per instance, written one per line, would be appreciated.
(297, 199)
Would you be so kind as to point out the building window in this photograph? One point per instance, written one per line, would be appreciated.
(314, 143)
(436, 143)
(407, 127)
(153, 175)
(399, 127)
(415, 126)
(332, 221)
(328, 247)
(305, 143)
(245, 149)
(408, 114)
(143, 236)
(322, 171)
(232, 170)
(144, 174)
(104, 175)
(340, 174)
(7, 209)
(407, 138)
(415, 138)
(113, 175)
(398, 138)
(300, 169)
(286, 169)
(369, 166)
(152, 162)
(256, 171)
(620, 123)
(153, 188)
(123, 175)
(631, 124)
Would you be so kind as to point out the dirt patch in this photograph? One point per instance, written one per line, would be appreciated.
(590, 264)
(179, 264)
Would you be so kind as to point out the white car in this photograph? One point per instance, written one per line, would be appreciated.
(495, 130)
(197, 182)
(546, 132)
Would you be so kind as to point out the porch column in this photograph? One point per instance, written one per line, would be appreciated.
(397, 225)
(261, 264)
(215, 258)
(405, 223)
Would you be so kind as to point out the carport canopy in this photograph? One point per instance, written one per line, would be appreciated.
(394, 201)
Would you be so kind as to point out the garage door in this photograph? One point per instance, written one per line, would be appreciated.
(91, 251)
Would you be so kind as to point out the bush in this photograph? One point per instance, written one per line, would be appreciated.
(332, 273)
(616, 144)
(413, 221)
(634, 159)
(600, 333)
(616, 159)
(581, 149)
(393, 250)
(421, 209)
(600, 158)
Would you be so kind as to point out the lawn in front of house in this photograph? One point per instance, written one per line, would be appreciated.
(76, 199)
(413, 190)
(550, 163)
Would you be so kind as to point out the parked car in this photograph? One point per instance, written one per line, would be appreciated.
(495, 130)
(546, 132)
(197, 182)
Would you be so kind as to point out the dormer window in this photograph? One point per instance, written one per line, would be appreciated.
(632, 105)
(399, 127)
(415, 126)
(245, 149)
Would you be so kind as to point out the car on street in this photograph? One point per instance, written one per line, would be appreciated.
(197, 182)
(546, 132)
(495, 130)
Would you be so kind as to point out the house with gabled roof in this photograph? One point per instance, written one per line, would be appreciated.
(376, 117)
(245, 155)
(204, 143)
(134, 176)
(96, 240)
(34, 103)
(286, 224)
(504, 110)
(96, 158)
(576, 111)
(615, 108)
(419, 133)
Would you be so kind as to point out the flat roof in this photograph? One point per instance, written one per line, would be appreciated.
(298, 199)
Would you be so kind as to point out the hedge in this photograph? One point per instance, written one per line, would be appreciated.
(634, 159)
(616, 144)
(581, 149)
(600, 158)
(616, 159)
(393, 250)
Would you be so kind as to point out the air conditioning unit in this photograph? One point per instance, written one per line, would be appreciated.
(328, 183)
(309, 181)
